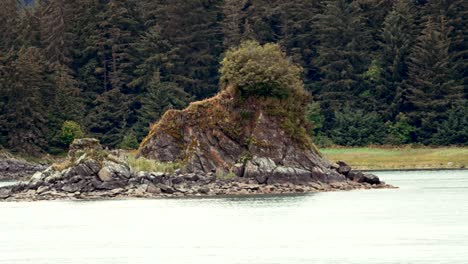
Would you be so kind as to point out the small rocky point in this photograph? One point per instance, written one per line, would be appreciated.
(90, 172)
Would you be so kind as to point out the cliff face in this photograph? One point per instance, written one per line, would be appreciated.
(258, 138)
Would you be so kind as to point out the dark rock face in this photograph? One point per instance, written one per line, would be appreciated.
(343, 168)
(210, 136)
(265, 170)
(361, 177)
(17, 169)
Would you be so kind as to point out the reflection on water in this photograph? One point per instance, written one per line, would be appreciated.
(425, 221)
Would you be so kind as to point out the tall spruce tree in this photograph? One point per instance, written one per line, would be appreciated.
(9, 19)
(85, 61)
(24, 117)
(397, 38)
(54, 36)
(232, 22)
(114, 37)
(430, 90)
(155, 95)
(156, 98)
(111, 117)
(116, 32)
(341, 55)
(298, 35)
(456, 16)
(29, 27)
(374, 13)
(193, 29)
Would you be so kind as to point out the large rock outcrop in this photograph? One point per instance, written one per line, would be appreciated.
(254, 138)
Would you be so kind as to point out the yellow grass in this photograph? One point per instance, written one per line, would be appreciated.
(400, 158)
(142, 164)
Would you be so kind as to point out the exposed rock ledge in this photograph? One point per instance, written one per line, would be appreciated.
(12, 168)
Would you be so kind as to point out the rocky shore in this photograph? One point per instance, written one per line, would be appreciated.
(158, 185)
(92, 173)
(15, 169)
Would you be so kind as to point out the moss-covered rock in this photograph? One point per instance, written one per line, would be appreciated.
(216, 134)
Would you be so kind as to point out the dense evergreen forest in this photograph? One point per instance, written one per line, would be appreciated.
(379, 71)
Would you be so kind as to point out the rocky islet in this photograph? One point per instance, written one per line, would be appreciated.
(97, 174)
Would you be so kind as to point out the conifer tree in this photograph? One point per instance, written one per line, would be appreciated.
(116, 32)
(262, 20)
(455, 13)
(430, 90)
(298, 35)
(341, 55)
(111, 117)
(9, 19)
(83, 51)
(155, 93)
(192, 28)
(24, 118)
(453, 130)
(153, 49)
(54, 35)
(65, 102)
(114, 110)
(374, 13)
(397, 38)
(156, 98)
(29, 27)
(232, 22)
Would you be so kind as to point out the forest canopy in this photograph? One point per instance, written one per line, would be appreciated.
(380, 71)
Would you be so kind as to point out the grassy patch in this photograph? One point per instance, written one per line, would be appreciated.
(374, 158)
(142, 164)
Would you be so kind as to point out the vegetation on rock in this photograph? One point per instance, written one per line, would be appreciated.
(253, 116)
(70, 131)
(142, 164)
(261, 70)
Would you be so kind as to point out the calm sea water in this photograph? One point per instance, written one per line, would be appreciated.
(425, 221)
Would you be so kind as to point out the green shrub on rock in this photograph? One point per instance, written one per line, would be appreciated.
(70, 131)
(262, 70)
